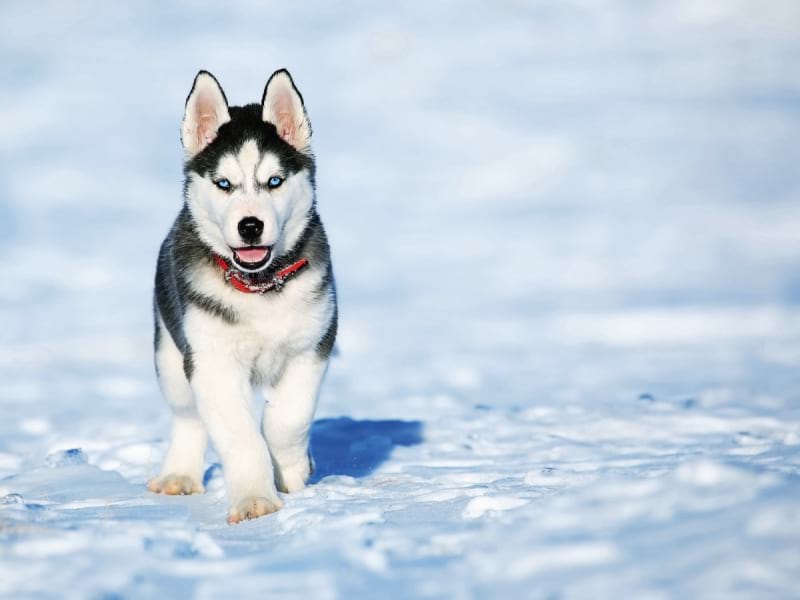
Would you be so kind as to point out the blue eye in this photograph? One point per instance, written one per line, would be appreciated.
(223, 184)
(274, 182)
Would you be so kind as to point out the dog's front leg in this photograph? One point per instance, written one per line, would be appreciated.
(223, 394)
(222, 391)
(182, 472)
(288, 416)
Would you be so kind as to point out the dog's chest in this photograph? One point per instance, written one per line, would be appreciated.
(273, 328)
(268, 329)
(267, 337)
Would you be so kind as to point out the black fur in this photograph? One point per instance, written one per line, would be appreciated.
(325, 345)
(246, 124)
(188, 364)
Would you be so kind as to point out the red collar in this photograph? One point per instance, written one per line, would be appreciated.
(276, 282)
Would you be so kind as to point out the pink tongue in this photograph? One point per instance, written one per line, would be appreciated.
(252, 255)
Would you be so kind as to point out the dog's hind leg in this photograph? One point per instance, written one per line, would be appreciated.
(288, 416)
(182, 472)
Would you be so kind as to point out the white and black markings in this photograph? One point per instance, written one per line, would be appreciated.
(249, 192)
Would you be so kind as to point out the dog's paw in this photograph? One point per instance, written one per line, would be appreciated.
(174, 485)
(293, 478)
(252, 508)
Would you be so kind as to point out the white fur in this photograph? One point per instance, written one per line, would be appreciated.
(276, 338)
(290, 408)
(283, 210)
(221, 388)
(187, 448)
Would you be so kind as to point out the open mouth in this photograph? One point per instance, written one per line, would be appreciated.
(252, 257)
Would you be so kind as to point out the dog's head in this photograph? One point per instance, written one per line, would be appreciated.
(249, 170)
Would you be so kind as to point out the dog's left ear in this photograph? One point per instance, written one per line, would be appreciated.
(282, 105)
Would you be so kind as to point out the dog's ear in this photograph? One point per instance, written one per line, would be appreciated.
(206, 112)
(282, 105)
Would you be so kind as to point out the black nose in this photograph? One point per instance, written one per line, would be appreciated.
(250, 229)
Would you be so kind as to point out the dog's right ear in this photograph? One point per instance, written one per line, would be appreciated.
(206, 112)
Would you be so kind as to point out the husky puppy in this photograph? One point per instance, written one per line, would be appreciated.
(244, 298)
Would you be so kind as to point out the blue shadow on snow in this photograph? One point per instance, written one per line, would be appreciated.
(344, 446)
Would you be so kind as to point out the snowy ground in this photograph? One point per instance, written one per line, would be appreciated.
(566, 242)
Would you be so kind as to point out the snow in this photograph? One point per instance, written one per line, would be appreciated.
(565, 239)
